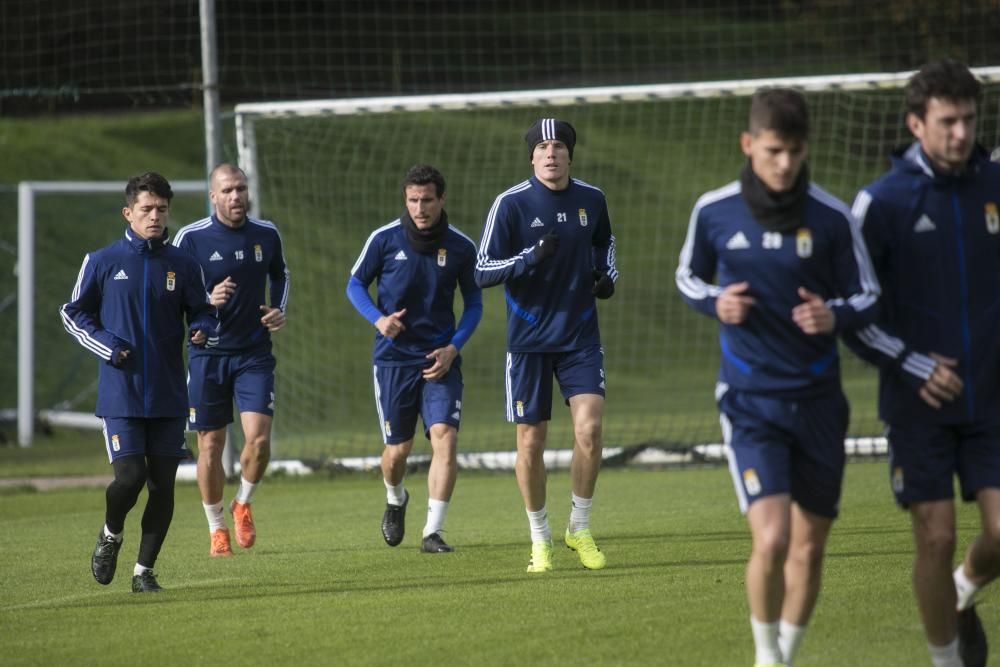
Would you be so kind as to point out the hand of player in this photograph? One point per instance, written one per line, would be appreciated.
(943, 384)
(812, 315)
(391, 326)
(733, 305)
(546, 247)
(221, 292)
(604, 286)
(443, 358)
(198, 337)
(273, 319)
(119, 357)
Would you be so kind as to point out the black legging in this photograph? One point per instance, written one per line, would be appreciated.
(158, 473)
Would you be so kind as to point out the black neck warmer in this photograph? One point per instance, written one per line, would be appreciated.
(424, 241)
(775, 211)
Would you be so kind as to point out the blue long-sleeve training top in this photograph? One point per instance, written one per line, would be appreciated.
(253, 256)
(935, 243)
(550, 305)
(422, 283)
(135, 295)
(826, 255)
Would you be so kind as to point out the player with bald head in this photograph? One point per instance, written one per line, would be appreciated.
(247, 281)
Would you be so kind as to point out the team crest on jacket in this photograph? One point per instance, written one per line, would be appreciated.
(442, 256)
(258, 253)
(583, 217)
(804, 243)
(171, 281)
(992, 218)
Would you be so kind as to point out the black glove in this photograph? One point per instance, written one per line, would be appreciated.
(604, 286)
(546, 247)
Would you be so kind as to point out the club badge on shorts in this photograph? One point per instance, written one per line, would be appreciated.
(804, 243)
(115, 445)
(583, 216)
(171, 281)
(192, 415)
(442, 256)
(751, 481)
(519, 407)
(992, 218)
(258, 253)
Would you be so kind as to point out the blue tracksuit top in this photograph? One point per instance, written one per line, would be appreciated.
(251, 254)
(935, 243)
(768, 353)
(422, 283)
(550, 306)
(134, 294)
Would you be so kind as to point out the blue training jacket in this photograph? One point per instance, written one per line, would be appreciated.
(423, 284)
(935, 243)
(134, 295)
(252, 254)
(769, 353)
(550, 306)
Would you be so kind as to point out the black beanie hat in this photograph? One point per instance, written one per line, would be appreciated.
(547, 129)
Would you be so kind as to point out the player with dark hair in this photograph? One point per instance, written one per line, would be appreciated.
(548, 240)
(932, 226)
(790, 272)
(128, 308)
(418, 261)
(244, 262)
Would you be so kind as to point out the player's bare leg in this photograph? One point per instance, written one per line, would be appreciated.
(804, 564)
(530, 471)
(934, 534)
(444, 464)
(393, 471)
(440, 485)
(253, 464)
(980, 566)
(803, 577)
(982, 560)
(530, 464)
(256, 452)
(211, 484)
(587, 411)
(770, 527)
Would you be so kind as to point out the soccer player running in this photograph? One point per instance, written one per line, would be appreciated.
(790, 272)
(933, 230)
(243, 261)
(128, 307)
(548, 240)
(418, 260)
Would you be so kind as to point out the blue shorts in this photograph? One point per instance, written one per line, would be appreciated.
(924, 458)
(214, 380)
(529, 380)
(780, 445)
(133, 436)
(401, 393)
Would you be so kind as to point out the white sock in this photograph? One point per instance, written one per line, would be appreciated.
(117, 536)
(789, 638)
(436, 512)
(139, 569)
(394, 495)
(539, 523)
(245, 493)
(945, 656)
(765, 641)
(213, 513)
(579, 517)
(965, 588)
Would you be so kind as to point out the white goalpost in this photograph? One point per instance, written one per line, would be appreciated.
(326, 171)
(27, 191)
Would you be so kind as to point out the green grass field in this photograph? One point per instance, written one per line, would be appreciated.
(320, 587)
